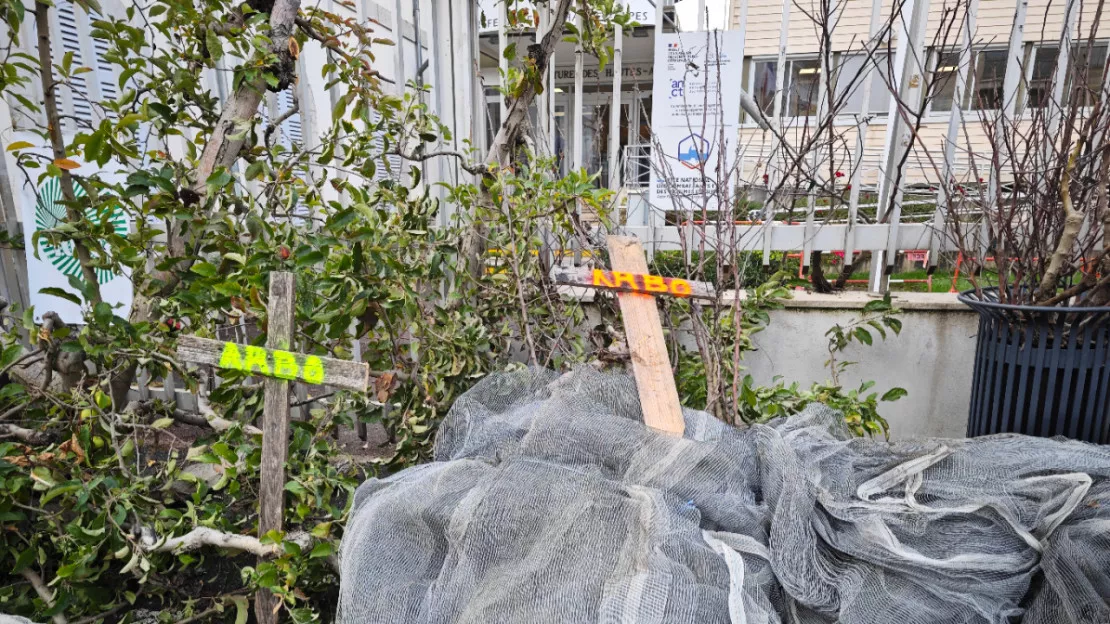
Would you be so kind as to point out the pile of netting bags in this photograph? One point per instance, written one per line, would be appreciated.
(550, 501)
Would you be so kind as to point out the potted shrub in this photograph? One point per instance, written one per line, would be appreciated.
(1037, 240)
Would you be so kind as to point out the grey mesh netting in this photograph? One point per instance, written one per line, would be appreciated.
(550, 501)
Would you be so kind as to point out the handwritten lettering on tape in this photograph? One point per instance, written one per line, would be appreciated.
(277, 363)
(647, 284)
(272, 363)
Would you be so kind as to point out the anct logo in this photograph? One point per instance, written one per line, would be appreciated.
(693, 151)
(678, 89)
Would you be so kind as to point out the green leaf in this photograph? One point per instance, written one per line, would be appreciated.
(25, 558)
(58, 491)
(322, 549)
(321, 531)
(219, 179)
(876, 305)
(894, 324)
(162, 423)
(310, 258)
(215, 48)
(102, 312)
(41, 475)
(18, 145)
(204, 269)
(62, 294)
(894, 394)
(241, 609)
(863, 335)
(255, 169)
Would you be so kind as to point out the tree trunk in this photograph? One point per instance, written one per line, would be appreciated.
(222, 150)
(58, 146)
(472, 245)
(817, 274)
(1073, 222)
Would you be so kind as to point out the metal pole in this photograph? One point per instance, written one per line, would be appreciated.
(909, 70)
(1062, 57)
(655, 218)
(576, 131)
(399, 68)
(399, 49)
(419, 47)
(615, 110)
(701, 15)
(955, 121)
(776, 116)
(543, 101)
(1009, 104)
(864, 121)
(502, 62)
(551, 119)
(822, 110)
(469, 120)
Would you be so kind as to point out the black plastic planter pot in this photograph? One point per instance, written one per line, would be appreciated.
(1041, 371)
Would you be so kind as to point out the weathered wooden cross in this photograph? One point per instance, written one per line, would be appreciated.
(279, 366)
(650, 363)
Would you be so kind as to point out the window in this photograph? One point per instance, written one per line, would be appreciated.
(1040, 81)
(990, 72)
(1088, 67)
(763, 86)
(850, 85)
(984, 89)
(804, 88)
(944, 81)
(801, 86)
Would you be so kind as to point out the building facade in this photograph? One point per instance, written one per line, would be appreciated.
(1021, 37)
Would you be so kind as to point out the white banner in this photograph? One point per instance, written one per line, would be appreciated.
(695, 115)
(53, 266)
(643, 12)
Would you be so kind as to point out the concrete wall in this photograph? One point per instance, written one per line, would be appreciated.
(932, 358)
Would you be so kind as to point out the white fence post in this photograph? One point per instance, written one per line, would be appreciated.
(955, 122)
(863, 124)
(909, 70)
(773, 172)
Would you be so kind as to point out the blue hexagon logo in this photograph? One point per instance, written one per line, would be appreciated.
(693, 151)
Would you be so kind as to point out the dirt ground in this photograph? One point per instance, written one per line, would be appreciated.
(376, 446)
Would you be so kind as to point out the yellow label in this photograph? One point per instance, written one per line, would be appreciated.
(275, 363)
(313, 370)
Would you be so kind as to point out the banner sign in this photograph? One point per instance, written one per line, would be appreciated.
(643, 12)
(695, 116)
(50, 266)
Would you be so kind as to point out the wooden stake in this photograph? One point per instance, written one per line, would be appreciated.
(644, 331)
(275, 429)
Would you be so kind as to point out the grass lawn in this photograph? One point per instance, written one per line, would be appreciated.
(942, 281)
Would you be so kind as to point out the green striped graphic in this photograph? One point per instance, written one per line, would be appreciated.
(49, 212)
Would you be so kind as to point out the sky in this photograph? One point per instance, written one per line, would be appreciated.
(717, 10)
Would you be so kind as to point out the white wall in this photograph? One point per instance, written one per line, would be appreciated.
(932, 358)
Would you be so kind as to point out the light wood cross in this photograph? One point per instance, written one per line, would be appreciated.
(280, 366)
(636, 292)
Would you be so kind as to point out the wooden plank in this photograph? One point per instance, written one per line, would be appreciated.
(644, 331)
(275, 428)
(624, 281)
(275, 363)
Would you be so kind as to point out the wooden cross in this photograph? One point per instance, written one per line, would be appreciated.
(280, 366)
(636, 292)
